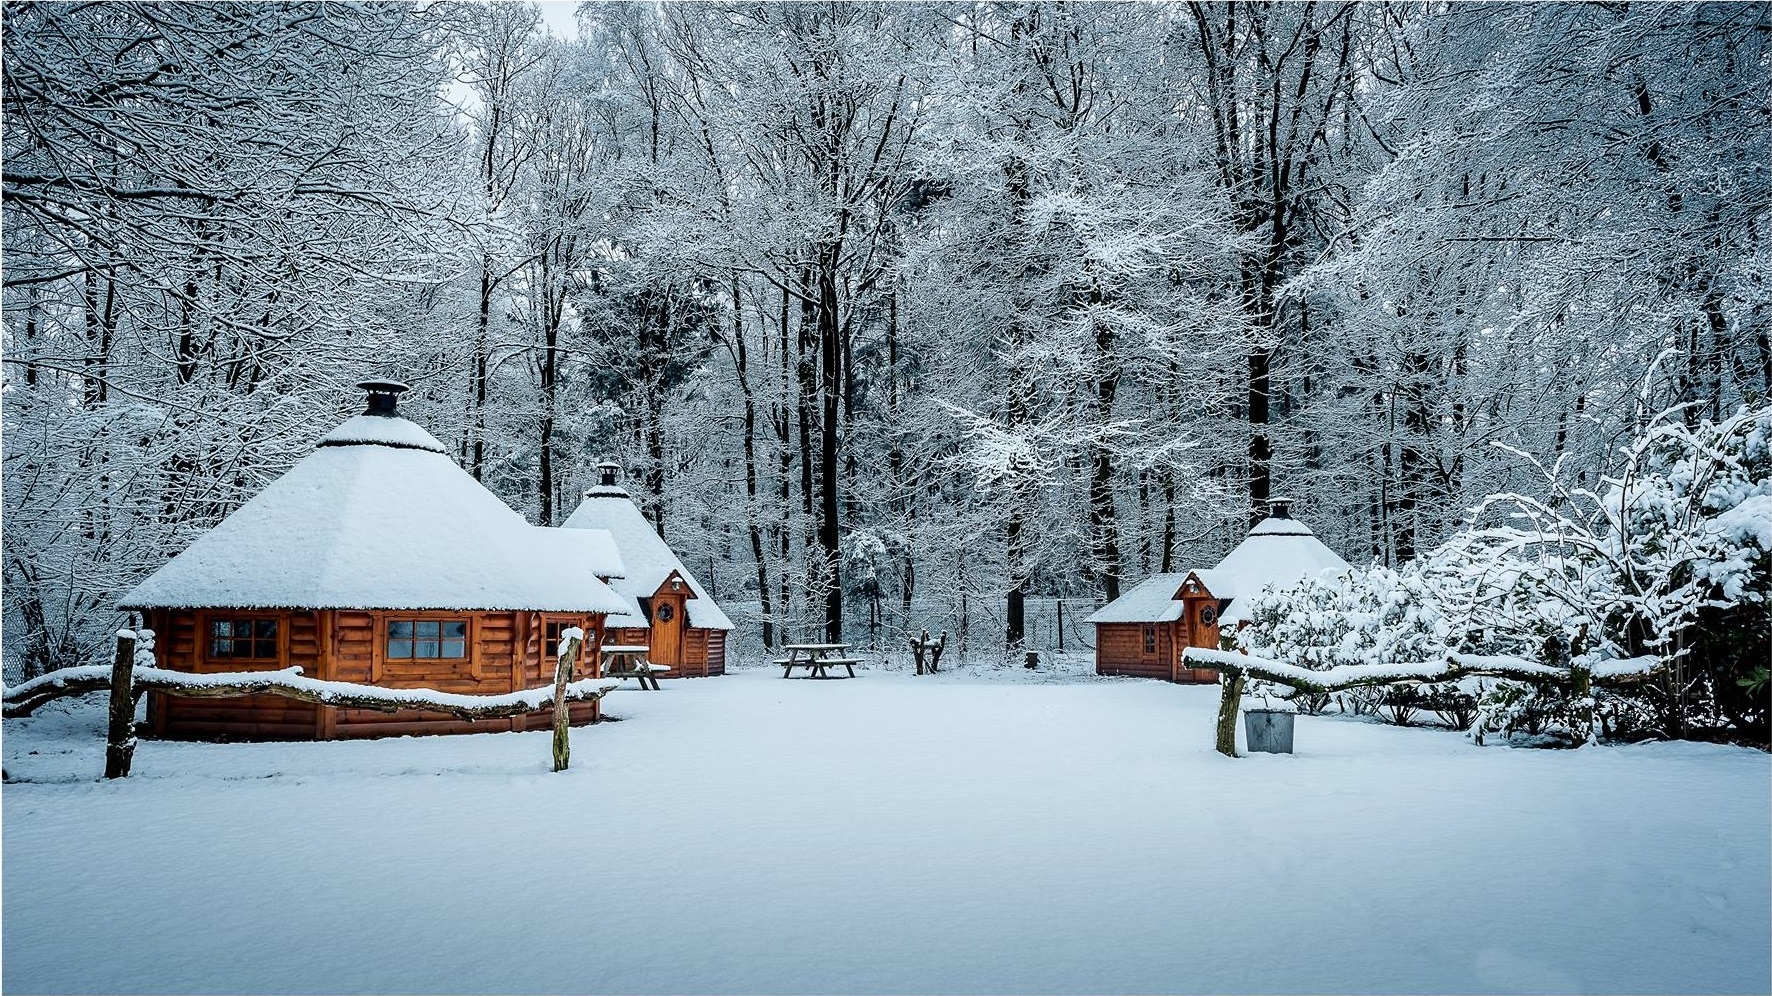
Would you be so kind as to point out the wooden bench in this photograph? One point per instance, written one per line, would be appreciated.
(629, 661)
(817, 667)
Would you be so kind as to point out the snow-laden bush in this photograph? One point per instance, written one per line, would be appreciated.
(1374, 615)
(1670, 560)
(1550, 715)
(1665, 569)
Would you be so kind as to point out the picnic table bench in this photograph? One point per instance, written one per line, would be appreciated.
(629, 661)
(817, 659)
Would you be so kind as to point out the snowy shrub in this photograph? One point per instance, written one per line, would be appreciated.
(1517, 709)
(1455, 706)
(1370, 616)
(1549, 715)
(1363, 701)
(1401, 701)
(1669, 562)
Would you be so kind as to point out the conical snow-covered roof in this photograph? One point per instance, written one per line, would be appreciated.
(379, 517)
(1279, 551)
(647, 560)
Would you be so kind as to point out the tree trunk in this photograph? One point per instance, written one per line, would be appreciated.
(568, 656)
(1015, 599)
(830, 473)
(552, 315)
(120, 736)
(1230, 701)
(482, 343)
(1261, 447)
(753, 527)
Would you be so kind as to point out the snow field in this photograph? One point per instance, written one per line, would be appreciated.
(973, 832)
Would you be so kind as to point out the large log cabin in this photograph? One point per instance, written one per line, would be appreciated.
(376, 560)
(668, 610)
(1143, 632)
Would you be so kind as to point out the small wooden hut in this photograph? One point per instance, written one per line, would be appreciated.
(1144, 631)
(376, 560)
(667, 610)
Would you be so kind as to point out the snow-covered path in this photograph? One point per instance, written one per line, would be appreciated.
(888, 834)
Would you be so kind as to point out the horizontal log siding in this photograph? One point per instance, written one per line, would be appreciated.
(504, 655)
(704, 650)
(1119, 650)
(716, 651)
(487, 670)
(178, 645)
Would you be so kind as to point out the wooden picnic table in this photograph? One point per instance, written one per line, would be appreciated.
(629, 661)
(817, 659)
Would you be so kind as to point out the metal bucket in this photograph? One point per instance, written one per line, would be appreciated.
(1269, 731)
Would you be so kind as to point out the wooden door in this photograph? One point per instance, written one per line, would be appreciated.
(667, 631)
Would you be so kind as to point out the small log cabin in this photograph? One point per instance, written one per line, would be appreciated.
(376, 560)
(667, 610)
(1143, 632)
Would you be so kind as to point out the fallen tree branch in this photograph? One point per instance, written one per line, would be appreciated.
(1345, 676)
(25, 698)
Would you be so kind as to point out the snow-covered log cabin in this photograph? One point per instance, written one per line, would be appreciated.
(667, 609)
(376, 560)
(1143, 632)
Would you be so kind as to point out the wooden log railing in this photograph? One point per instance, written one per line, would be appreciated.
(1238, 667)
(570, 643)
(128, 681)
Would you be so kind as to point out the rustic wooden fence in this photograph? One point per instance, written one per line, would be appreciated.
(129, 678)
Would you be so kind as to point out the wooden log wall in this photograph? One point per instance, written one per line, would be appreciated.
(716, 653)
(1119, 650)
(178, 645)
(704, 650)
(504, 655)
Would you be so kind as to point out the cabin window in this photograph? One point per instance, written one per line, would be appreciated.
(427, 639)
(243, 639)
(553, 628)
(1150, 639)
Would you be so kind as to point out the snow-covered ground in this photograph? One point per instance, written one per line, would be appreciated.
(978, 831)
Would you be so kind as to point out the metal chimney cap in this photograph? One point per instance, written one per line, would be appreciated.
(384, 396)
(608, 469)
(1279, 508)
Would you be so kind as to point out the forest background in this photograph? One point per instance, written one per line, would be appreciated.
(897, 316)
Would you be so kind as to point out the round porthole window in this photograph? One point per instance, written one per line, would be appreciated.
(665, 613)
(1208, 616)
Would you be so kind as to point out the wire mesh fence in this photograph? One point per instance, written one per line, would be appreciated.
(975, 625)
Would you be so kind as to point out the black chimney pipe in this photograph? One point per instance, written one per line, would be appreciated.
(1279, 508)
(384, 397)
(608, 470)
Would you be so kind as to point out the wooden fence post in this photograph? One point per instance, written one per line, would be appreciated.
(562, 709)
(1230, 700)
(120, 738)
